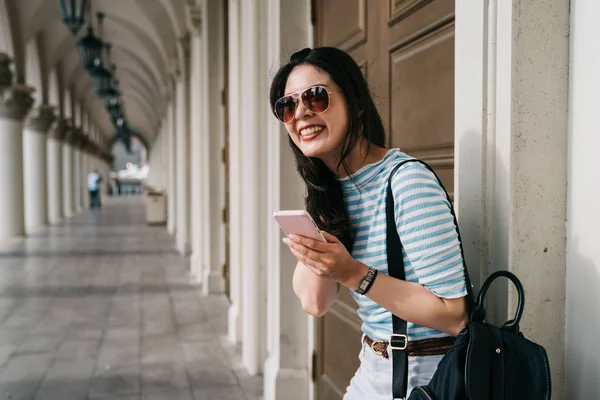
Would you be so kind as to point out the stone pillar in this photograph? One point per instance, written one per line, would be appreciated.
(199, 150)
(183, 152)
(67, 172)
(512, 68)
(289, 330)
(250, 239)
(76, 139)
(172, 177)
(235, 167)
(85, 168)
(164, 173)
(54, 169)
(15, 102)
(34, 167)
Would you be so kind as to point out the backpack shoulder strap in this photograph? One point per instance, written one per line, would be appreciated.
(399, 339)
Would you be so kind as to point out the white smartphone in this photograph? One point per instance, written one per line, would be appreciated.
(298, 222)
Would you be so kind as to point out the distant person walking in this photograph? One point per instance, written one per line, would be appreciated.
(94, 180)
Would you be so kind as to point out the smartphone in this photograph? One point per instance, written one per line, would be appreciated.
(298, 222)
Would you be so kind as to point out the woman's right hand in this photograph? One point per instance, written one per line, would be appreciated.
(316, 294)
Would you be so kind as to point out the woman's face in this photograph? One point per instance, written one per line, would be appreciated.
(317, 135)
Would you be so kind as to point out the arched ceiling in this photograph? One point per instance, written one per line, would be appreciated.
(143, 34)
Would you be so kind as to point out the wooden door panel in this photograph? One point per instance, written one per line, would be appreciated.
(405, 49)
(422, 99)
(400, 9)
(344, 23)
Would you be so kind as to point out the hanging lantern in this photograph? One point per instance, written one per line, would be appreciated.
(114, 110)
(102, 81)
(91, 47)
(90, 50)
(73, 13)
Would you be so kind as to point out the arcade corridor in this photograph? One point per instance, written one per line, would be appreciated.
(101, 306)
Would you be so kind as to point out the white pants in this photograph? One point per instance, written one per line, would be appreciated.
(373, 379)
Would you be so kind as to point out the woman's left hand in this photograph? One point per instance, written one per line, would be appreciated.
(327, 260)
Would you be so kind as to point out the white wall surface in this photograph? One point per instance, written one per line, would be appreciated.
(583, 210)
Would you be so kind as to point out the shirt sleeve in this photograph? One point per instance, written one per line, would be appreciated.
(427, 231)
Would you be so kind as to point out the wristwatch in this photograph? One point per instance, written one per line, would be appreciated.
(367, 281)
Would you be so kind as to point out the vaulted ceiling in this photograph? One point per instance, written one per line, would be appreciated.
(143, 34)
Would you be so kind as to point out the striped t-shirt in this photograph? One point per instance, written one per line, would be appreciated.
(431, 250)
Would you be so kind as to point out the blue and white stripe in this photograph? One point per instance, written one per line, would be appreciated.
(431, 250)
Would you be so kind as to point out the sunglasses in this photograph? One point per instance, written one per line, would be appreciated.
(315, 99)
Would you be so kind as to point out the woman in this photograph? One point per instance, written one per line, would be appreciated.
(338, 140)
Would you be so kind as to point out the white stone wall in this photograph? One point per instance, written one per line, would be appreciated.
(583, 211)
(511, 107)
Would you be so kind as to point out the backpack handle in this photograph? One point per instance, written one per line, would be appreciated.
(479, 312)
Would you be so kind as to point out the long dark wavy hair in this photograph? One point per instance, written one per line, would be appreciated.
(324, 199)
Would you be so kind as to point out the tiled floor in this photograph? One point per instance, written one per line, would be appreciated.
(101, 307)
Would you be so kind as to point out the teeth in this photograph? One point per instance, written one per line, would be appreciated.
(311, 130)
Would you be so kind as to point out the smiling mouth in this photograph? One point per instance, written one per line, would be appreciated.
(312, 131)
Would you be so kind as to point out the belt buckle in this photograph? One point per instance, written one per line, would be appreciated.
(378, 343)
(395, 337)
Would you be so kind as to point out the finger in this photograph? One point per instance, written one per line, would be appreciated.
(303, 259)
(330, 238)
(310, 243)
(315, 268)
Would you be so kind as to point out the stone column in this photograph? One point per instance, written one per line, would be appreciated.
(85, 168)
(172, 177)
(250, 233)
(512, 68)
(15, 102)
(289, 330)
(235, 197)
(34, 166)
(75, 141)
(183, 153)
(199, 150)
(67, 172)
(54, 169)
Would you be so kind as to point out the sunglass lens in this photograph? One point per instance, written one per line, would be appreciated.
(316, 99)
(285, 108)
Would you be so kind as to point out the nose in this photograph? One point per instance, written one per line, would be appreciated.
(302, 111)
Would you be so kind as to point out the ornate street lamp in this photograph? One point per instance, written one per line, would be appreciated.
(115, 111)
(91, 47)
(102, 81)
(90, 50)
(73, 13)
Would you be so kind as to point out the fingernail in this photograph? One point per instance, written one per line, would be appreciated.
(292, 236)
(284, 240)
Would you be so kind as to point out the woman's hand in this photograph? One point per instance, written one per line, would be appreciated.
(327, 260)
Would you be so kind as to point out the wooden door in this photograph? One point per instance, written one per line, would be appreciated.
(406, 50)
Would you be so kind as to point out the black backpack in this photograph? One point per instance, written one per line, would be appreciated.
(486, 361)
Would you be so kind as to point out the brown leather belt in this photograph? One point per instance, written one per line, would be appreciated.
(426, 347)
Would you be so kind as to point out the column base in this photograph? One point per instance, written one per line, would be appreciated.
(183, 248)
(280, 383)
(31, 230)
(54, 220)
(213, 282)
(234, 326)
(196, 267)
